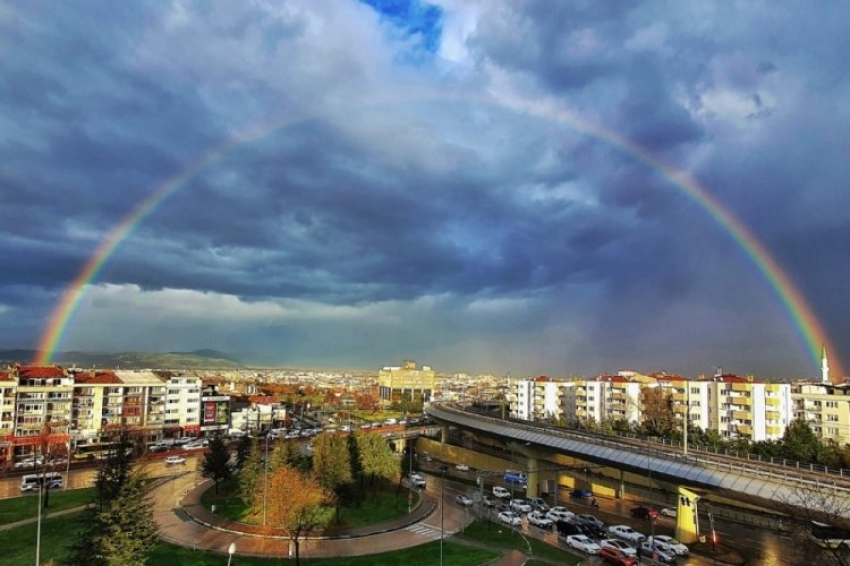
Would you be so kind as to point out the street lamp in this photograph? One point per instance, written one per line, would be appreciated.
(266, 479)
(443, 469)
(231, 550)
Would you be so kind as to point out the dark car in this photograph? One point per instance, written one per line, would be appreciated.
(566, 529)
(615, 556)
(644, 512)
(581, 494)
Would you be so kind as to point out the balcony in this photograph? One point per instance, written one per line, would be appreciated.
(773, 430)
(741, 415)
(741, 401)
(772, 415)
(772, 401)
(742, 387)
(744, 430)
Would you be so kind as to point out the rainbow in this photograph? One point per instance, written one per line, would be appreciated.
(811, 331)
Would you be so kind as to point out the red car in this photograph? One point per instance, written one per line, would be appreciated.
(644, 512)
(615, 556)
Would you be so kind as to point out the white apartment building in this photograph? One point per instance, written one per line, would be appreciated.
(537, 399)
(182, 406)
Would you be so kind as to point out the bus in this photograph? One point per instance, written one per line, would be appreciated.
(100, 451)
(830, 536)
(51, 480)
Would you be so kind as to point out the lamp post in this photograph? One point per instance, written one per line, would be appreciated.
(231, 550)
(442, 505)
(266, 480)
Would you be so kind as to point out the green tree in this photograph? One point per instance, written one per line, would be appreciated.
(285, 453)
(117, 528)
(251, 473)
(243, 449)
(800, 443)
(376, 458)
(216, 464)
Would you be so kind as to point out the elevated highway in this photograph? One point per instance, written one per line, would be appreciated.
(767, 485)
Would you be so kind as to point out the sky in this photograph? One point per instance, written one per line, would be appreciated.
(461, 183)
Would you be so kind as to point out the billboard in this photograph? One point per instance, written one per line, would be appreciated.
(215, 413)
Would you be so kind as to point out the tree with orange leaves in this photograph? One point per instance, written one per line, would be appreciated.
(297, 504)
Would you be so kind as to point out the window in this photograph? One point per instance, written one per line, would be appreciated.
(832, 404)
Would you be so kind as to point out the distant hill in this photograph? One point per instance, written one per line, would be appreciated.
(128, 360)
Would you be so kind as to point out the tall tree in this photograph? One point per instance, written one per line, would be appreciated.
(251, 473)
(117, 528)
(297, 504)
(376, 458)
(243, 449)
(657, 414)
(331, 460)
(216, 464)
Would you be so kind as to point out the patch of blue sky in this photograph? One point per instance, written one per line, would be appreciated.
(413, 18)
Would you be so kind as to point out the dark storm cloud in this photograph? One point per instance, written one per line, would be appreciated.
(354, 205)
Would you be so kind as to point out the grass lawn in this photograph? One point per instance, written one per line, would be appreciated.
(58, 534)
(26, 506)
(502, 536)
(377, 506)
(425, 555)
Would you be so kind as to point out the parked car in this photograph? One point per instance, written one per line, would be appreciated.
(616, 557)
(520, 506)
(560, 509)
(622, 546)
(626, 533)
(172, 460)
(676, 546)
(644, 512)
(462, 467)
(539, 520)
(501, 492)
(488, 501)
(463, 500)
(589, 520)
(560, 515)
(537, 503)
(654, 551)
(581, 494)
(566, 528)
(669, 512)
(510, 518)
(583, 543)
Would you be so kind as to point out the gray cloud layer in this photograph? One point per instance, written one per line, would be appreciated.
(387, 201)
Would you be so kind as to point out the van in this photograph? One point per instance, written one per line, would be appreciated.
(501, 492)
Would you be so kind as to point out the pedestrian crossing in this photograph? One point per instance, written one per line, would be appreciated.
(427, 531)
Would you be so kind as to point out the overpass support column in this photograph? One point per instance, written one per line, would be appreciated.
(444, 434)
(621, 492)
(533, 477)
(687, 523)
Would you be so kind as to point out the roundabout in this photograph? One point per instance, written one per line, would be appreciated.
(183, 521)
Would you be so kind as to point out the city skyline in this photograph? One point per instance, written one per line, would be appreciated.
(528, 189)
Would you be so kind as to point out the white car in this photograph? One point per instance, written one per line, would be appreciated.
(520, 506)
(669, 512)
(417, 480)
(560, 508)
(559, 515)
(510, 518)
(539, 520)
(676, 546)
(462, 467)
(501, 492)
(463, 500)
(171, 460)
(583, 543)
(626, 533)
(625, 548)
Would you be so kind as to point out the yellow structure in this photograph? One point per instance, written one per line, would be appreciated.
(687, 524)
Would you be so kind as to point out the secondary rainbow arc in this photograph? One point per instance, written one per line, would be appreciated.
(802, 317)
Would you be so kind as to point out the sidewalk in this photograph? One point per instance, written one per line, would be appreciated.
(32, 520)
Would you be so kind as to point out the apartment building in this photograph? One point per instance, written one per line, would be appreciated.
(538, 399)
(42, 407)
(182, 406)
(143, 407)
(8, 394)
(687, 397)
(396, 382)
(826, 407)
(744, 408)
